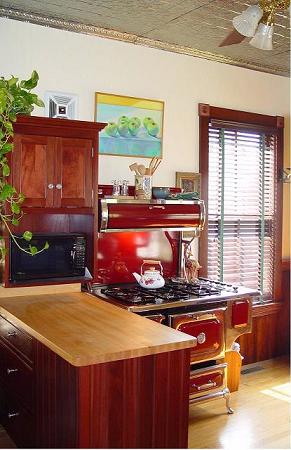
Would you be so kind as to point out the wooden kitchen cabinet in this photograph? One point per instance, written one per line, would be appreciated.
(17, 378)
(47, 402)
(54, 162)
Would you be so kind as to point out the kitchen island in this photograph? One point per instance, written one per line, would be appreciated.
(77, 372)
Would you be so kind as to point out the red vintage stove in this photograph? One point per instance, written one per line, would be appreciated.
(213, 312)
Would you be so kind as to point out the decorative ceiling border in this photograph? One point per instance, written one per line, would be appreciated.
(134, 39)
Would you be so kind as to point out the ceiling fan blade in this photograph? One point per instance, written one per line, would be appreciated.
(234, 37)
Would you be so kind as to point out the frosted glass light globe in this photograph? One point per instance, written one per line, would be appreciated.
(246, 23)
(263, 37)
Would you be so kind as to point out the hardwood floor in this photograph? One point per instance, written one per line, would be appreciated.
(261, 419)
(262, 412)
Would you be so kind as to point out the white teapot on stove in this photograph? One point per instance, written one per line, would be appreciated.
(150, 278)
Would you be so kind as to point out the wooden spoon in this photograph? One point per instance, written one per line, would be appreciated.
(141, 169)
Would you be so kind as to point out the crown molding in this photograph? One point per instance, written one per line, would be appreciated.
(134, 39)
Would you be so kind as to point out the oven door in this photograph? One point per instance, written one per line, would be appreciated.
(207, 329)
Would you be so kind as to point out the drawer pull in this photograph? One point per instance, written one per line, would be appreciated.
(208, 385)
(59, 186)
(11, 415)
(11, 333)
(9, 371)
(157, 207)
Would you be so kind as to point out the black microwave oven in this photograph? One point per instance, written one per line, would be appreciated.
(65, 257)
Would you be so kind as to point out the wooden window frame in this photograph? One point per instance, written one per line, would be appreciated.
(274, 124)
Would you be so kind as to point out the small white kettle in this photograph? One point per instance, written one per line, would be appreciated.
(150, 278)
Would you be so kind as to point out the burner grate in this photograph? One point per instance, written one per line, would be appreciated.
(174, 290)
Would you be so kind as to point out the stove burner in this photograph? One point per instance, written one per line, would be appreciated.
(175, 289)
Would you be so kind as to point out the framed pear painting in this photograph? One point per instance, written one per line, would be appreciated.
(134, 125)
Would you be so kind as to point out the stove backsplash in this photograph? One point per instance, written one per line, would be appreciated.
(120, 254)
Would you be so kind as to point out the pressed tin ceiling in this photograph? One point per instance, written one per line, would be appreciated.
(192, 27)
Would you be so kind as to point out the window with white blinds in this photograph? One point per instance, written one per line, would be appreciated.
(241, 208)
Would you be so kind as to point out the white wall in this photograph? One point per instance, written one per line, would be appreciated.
(81, 64)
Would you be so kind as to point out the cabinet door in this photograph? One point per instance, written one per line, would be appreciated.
(33, 169)
(74, 173)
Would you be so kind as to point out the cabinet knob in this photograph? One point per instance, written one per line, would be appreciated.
(50, 186)
(11, 333)
(11, 415)
(9, 371)
(59, 186)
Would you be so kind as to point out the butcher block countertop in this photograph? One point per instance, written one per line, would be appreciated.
(84, 330)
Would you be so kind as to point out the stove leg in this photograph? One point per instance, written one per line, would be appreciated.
(226, 395)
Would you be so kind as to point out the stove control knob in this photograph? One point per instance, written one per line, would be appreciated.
(201, 338)
(235, 288)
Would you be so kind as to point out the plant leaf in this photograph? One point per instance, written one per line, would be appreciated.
(7, 191)
(46, 245)
(6, 148)
(6, 170)
(15, 208)
(21, 198)
(31, 83)
(33, 249)
(27, 235)
(12, 81)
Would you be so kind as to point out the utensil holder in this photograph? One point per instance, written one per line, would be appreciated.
(143, 187)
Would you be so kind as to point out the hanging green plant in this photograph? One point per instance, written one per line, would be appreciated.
(15, 98)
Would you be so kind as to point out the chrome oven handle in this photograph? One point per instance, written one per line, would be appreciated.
(157, 207)
(208, 385)
(202, 215)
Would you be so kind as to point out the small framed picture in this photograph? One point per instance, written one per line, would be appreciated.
(188, 181)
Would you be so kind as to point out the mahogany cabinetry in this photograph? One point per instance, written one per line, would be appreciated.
(54, 162)
(17, 384)
(48, 403)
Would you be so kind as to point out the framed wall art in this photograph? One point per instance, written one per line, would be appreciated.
(134, 125)
(188, 181)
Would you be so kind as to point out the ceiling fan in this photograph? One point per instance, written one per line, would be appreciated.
(257, 22)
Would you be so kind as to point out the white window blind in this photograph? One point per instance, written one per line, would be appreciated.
(241, 205)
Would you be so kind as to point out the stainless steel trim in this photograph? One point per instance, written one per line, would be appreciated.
(119, 230)
(209, 314)
(210, 369)
(152, 201)
(104, 215)
(196, 301)
(208, 385)
(202, 215)
(206, 397)
(104, 202)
